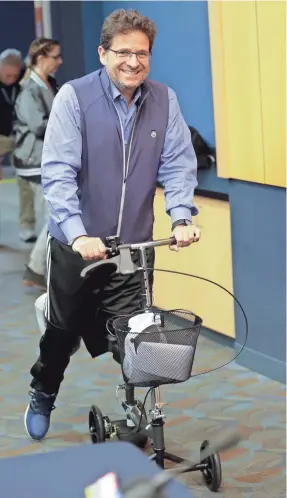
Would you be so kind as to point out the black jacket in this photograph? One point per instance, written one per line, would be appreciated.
(8, 95)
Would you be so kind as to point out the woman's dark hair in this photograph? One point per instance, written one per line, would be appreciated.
(123, 22)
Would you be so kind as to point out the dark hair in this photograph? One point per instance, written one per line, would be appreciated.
(123, 22)
(40, 46)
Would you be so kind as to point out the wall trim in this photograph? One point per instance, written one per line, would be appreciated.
(262, 364)
(249, 358)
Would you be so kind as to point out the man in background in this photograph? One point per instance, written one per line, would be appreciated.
(11, 72)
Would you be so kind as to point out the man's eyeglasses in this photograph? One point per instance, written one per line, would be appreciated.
(127, 54)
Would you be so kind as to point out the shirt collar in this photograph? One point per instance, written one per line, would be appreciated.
(34, 76)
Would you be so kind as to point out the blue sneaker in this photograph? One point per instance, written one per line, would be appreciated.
(38, 413)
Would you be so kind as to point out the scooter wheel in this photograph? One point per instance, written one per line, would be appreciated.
(96, 425)
(212, 474)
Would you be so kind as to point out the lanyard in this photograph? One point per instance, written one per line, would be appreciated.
(9, 100)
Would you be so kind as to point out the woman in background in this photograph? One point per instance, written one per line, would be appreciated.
(32, 109)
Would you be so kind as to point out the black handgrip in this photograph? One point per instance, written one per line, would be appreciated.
(108, 251)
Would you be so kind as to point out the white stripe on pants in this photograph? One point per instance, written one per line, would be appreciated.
(47, 302)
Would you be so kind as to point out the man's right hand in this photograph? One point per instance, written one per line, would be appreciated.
(90, 248)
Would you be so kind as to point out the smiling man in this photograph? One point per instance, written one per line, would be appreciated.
(111, 136)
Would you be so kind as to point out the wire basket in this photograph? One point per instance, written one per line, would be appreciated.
(163, 352)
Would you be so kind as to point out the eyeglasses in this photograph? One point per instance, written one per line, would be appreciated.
(127, 54)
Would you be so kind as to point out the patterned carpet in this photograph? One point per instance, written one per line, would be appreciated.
(200, 409)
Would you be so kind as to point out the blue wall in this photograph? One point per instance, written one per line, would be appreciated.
(258, 223)
(68, 29)
(92, 17)
(16, 25)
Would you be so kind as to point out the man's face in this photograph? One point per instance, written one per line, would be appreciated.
(127, 70)
(9, 74)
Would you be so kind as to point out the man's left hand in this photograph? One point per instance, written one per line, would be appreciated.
(185, 235)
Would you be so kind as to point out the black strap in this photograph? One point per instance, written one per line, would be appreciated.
(179, 222)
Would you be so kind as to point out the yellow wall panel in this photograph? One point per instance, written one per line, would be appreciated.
(219, 90)
(210, 258)
(242, 84)
(248, 58)
(271, 24)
